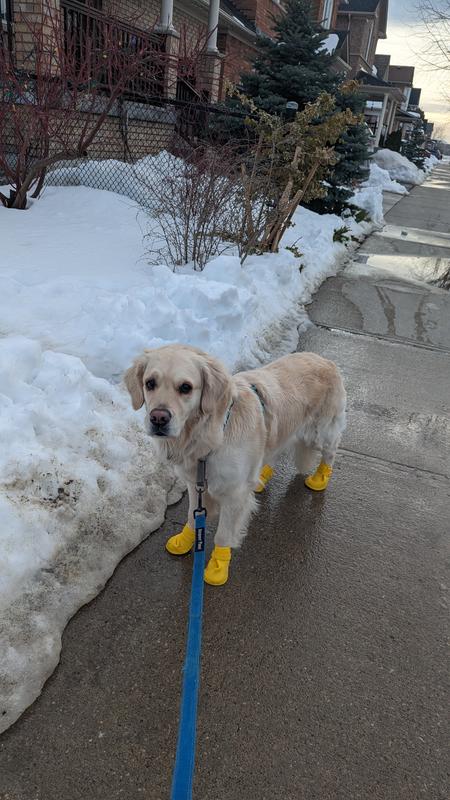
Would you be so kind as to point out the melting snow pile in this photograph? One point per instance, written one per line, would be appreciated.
(78, 484)
(380, 177)
(79, 489)
(399, 167)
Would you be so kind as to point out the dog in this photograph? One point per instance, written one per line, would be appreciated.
(195, 409)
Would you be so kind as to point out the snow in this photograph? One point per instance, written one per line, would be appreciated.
(399, 167)
(131, 180)
(370, 198)
(430, 163)
(380, 177)
(330, 43)
(76, 471)
(79, 483)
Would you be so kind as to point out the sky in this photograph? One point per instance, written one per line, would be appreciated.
(404, 43)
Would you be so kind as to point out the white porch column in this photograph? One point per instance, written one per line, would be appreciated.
(166, 17)
(380, 121)
(213, 23)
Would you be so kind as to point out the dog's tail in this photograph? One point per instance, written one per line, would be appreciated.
(305, 457)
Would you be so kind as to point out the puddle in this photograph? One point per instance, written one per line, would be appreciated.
(428, 269)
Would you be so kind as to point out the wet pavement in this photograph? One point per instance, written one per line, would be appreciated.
(324, 663)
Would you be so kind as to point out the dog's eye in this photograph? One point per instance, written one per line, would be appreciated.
(150, 384)
(185, 388)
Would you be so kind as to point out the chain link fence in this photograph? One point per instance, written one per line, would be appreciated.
(139, 146)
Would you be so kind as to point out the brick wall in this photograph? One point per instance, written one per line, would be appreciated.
(238, 58)
(260, 12)
(363, 38)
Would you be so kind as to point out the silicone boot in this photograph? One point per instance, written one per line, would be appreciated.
(216, 573)
(319, 481)
(264, 478)
(181, 543)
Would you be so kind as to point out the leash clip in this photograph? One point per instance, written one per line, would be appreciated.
(200, 486)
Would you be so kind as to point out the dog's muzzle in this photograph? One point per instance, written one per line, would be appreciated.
(159, 422)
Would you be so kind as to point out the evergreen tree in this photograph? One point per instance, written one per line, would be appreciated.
(413, 147)
(293, 66)
(352, 150)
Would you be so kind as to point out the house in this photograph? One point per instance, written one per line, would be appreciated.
(365, 22)
(226, 30)
(204, 43)
(388, 87)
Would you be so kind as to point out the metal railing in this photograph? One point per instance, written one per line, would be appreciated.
(86, 26)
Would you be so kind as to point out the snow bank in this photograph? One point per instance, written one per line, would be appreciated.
(430, 163)
(370, 199)
(76, 279)
(381, 178)
(75, 472)
(79, 486)
(131, 180)
(398, 167)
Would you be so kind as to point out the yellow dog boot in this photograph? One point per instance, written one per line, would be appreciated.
(319, 481)
(181, 543)
(264, 478)
(216, 573)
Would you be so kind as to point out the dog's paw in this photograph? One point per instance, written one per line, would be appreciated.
(321, 478)
(216, 573)
(181, 543)
(264, 478)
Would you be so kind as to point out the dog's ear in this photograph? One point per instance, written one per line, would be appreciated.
(216, 388)
(133, 381)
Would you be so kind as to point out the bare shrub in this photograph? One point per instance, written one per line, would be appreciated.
(244, 192)
(286, 166)
(195, 208)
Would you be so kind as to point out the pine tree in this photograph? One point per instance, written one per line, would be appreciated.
(352, 150)
(296, 67)
(293, 66)
(413, 147)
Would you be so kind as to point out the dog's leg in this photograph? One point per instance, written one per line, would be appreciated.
(264, 475)
(329, 445)
(235, 512)
(182, 542)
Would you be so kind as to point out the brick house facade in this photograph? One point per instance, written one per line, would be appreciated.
(365, 22)
(224, 30)
(228, 27)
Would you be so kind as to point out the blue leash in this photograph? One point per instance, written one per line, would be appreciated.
(183, 773)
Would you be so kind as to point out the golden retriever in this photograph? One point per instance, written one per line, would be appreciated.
(195, 409)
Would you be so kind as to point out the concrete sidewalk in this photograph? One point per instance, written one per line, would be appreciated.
(324, 662)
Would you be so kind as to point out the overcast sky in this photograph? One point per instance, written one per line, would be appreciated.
(404, 43)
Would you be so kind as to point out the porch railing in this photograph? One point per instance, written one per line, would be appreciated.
(86, 27)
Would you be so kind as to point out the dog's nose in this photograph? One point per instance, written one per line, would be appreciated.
(160, 417)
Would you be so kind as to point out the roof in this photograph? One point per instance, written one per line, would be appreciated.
(367, 79)
(370, 6)
(401, 74)
(342, 36)
(233, 11)
(372, 84)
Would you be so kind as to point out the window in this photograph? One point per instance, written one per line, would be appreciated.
(327, 13)
(6, 19)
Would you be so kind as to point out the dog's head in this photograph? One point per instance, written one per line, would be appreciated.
(177, 383)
